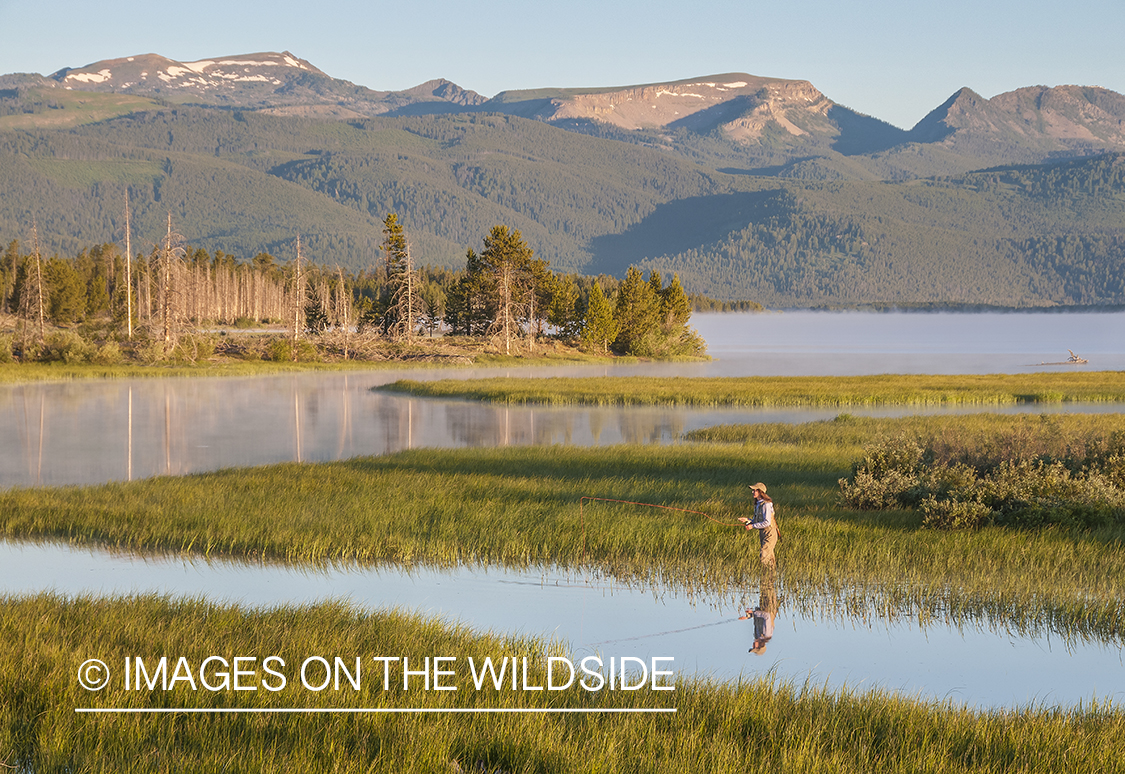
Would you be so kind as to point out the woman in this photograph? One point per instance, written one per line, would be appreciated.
(763, 521)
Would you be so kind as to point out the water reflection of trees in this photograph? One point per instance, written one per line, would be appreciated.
(649, 427)
(476, 425)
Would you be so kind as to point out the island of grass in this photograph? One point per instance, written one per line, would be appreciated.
(780, 391)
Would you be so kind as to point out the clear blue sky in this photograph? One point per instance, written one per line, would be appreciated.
(893, 59)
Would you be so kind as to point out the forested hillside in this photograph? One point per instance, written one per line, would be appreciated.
(1011, 237)
(242, 182)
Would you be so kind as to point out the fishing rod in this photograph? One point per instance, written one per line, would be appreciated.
(582, 516)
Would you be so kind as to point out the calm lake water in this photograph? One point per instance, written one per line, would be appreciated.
(969, 664)
(86, 432)
(89, 432)
(853, 343)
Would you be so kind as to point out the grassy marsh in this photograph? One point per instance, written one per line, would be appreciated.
(755, 726)
(519, 506)
(21, 373)
(837, 391)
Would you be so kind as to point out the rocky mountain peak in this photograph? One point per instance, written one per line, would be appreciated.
(698, 103)
(206, 77)
(449, 92)
(1041, 119)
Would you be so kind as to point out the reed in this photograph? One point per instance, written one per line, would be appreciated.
(755, 725)
(777, 391)
(520, 507)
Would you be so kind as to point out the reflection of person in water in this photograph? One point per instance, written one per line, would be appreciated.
(763, 616)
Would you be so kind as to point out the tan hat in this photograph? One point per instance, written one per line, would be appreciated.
(759, 486)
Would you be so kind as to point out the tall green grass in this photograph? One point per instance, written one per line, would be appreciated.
(753, 726)
(520, 507)
(843, 391)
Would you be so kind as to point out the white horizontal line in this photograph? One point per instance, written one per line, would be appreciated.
(366, 710)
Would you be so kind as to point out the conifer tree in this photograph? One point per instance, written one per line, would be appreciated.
(404, 301)
(68, 293)
(600, 328)
(674, 305)
(637, 312)
(508, 259)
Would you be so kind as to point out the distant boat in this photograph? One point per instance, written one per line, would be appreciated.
(1072, 360)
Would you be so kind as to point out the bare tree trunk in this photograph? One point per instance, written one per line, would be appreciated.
(298, 297)
(343, 309)
(170, 284)
(39, 281)
(505, 317)
(128, 272)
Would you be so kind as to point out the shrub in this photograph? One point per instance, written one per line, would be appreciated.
(281, 351)
(66, 347)
(150, 352)
(1083, 492)
(954, 514)
(191, 348)
(869, 492)
(108, 354)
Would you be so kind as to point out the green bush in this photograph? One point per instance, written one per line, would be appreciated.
(66, 347)
(150, 352)
(954, 514)
(191, 348)
(281, 351)
(108, 354)
(1082, 491)
(6, 355)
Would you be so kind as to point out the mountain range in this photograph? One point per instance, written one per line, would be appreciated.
(747, 186)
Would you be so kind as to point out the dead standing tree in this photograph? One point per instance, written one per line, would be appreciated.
(128, 271)
(343, 309)
(32, 300)
(298, 299)
(170, 256)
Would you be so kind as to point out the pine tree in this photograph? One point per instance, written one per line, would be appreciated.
(674, 305)
(600, 328)
(567, 312)
(508, 259)
(68, 293)
(404, 306)
(637, 312)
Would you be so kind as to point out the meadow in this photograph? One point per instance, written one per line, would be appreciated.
(773, 391)
(753, 726)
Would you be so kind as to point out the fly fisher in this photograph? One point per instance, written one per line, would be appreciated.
(764, 521)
